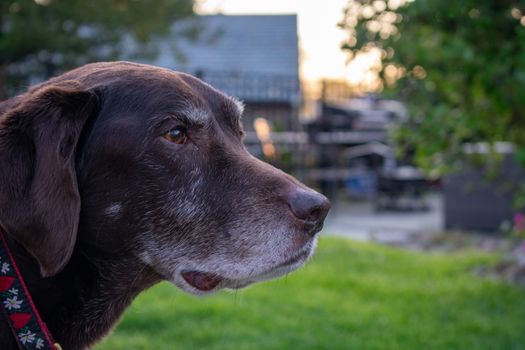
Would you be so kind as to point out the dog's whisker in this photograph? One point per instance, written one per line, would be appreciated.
(137, 276)
(235, 300)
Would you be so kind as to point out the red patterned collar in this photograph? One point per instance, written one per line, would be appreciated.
(28, 328)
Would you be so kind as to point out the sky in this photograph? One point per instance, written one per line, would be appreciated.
(319, 37)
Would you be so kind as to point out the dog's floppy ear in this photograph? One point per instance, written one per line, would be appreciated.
(39, 196)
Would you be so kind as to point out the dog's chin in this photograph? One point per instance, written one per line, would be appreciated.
(204, 282)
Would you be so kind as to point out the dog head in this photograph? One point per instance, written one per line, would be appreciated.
(149, 163)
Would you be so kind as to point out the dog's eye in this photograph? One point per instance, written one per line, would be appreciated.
(177, 135)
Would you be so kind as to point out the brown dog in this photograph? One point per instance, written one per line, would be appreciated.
(115, 176)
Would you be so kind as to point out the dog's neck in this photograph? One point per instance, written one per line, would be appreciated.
(82, 303)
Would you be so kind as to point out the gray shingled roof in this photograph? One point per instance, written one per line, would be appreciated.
(255, 58)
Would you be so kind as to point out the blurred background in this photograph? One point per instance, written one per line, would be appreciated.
(408, 114)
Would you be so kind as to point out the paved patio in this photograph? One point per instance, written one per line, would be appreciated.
(359, 221)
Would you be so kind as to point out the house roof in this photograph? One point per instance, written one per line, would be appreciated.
(255, 58)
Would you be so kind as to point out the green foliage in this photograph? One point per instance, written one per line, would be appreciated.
(350, 296)
(459, 66)
(39, 36)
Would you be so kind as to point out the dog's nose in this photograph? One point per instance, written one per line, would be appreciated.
(310, 207)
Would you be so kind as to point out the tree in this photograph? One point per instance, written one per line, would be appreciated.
(39, 37)
(458, 65)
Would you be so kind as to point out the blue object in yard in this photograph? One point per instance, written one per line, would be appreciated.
(362, 184)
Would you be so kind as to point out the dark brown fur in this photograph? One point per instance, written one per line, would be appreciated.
(98, 206)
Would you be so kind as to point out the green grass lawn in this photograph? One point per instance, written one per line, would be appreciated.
(350, 296)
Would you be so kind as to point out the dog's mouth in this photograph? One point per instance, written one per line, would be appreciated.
(204, 282)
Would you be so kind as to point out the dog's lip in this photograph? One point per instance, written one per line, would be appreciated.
(203, 281)
(287, 266)
(302, 256)
(210, 281)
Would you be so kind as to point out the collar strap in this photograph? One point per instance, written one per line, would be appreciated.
(28, 328)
